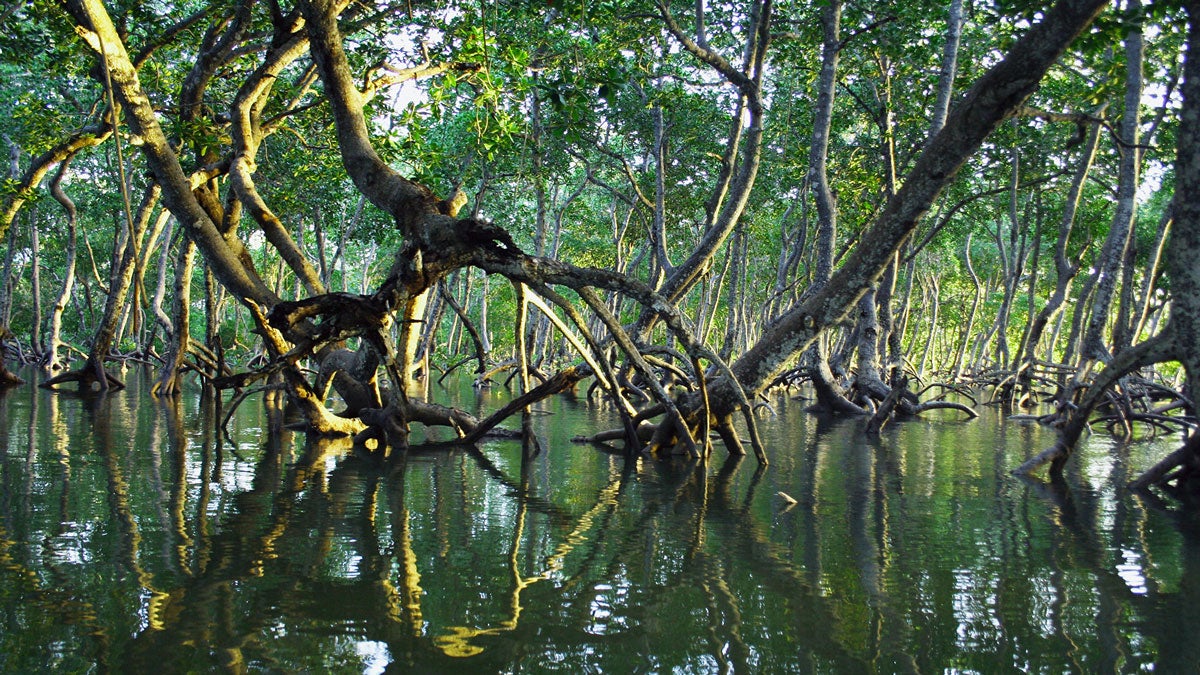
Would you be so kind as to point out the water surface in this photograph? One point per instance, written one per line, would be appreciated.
(137, 537)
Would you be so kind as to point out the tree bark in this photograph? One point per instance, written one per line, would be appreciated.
(178, 337)
(889, 346)
(1150, 282)
(1065, 269)
(8, 378)
(51, 361)
(1012, 260)
(791, 247)
(831, 396)
(934, 302)
(818, 172)
(660, 260)
(941, 107)
(960, 355)
(6, 280)
(161, 318)
(35, 288)
(734, 297)
(1183, 252)
(1109, 263)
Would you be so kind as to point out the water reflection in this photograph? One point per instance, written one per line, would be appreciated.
(136, 536)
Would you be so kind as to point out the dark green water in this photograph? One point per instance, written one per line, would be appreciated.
(131, 540)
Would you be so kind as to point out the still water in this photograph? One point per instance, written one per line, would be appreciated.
(136, 537)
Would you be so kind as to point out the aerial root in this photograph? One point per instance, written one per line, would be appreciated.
(1154, 350)
(655, 437)
(946, 405)
(390, 423)
(1181, 465)
(644, 431)
(89, 377)
(884, 412)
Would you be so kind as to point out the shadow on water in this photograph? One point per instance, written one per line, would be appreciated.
(136, 536)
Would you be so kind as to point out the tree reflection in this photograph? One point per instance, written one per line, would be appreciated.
(1083, 542)
(291, 554)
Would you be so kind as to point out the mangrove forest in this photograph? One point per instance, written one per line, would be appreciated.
(381, 239)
